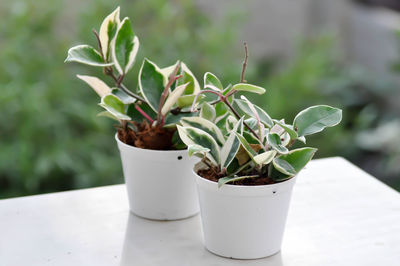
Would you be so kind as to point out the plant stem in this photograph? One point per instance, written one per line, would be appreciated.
(238, 117)
(224, 99)
(99, 44)
(140, 110)
(244, 63)
(171, 79)
(109, 72)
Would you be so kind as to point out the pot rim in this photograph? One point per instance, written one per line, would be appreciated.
(241, 190)
(127, 146)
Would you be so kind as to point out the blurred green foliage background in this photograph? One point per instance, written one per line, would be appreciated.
(52, 140)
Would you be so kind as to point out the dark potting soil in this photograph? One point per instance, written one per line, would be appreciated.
(147, 137)
(213, 175)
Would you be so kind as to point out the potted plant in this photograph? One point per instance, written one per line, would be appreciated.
(157, 170)
(247, 168)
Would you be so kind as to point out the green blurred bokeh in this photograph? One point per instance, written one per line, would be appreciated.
(52, 140)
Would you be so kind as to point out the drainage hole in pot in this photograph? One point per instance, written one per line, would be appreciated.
(179, 157)
(274, 192)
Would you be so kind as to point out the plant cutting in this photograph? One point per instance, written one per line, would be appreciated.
(248, 167)
(156, 167)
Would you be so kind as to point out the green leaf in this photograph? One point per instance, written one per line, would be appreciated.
(288, 128)
(97, 85)
(274, 140)
(264, 158)
(292, 163)
(187, 100)
(123, 96)
(246, 146)
(115, 106)
(107, 114)
(173, 98)
(197, 149)
(231, 146)
(205, 125)
(191, 135)
(86, 54)
(107, 31)
(314, 119)
(151, 83)
(125, 47)
(207, 112)
(248, 88)
(221, 109)
(228, 179)
(171, 120)
(137, 116)
(264, 117)
(187, 76)
(212, 82)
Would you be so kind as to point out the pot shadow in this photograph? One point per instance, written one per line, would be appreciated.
(150, 242)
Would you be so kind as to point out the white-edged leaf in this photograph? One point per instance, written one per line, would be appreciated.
(205, 125)
(274, 140)
(248, 88)
(86, 54)
(246, 146)
(123, 96)
(167, 71)
(107, 114)
(108, 28)
(187, 76)
(314, 119)
(151, 83)
(207, 112)
(288, 128)
(230, 122)
(265, 157)
(228, 179)
(292, 163)
(96, 84)
(187, 100)
(231, 146)
(173, 98)
(124, 47)
(192, 135)
(212, 82)
(115, 106)
(194, 149)
(264, 117)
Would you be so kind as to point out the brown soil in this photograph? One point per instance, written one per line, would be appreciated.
(212, 175)
(147, 137)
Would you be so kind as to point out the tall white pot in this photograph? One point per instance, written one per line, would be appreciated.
(160, 184)
(243, 222)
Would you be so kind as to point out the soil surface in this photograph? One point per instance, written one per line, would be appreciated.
(212, 175)
(147, 137)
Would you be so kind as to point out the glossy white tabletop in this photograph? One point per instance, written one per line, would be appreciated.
(339, 215)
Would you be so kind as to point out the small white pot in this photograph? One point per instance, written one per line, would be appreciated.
(160, 184)
(244, 222)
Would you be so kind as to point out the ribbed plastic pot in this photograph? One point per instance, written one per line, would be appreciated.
(243, 222)
(160, 184)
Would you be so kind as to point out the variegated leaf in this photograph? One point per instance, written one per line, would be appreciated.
(192, 135)
(97, 85)
(205, 125)
(173, 98)
(124, 47)
(212, 82)
(107, 31)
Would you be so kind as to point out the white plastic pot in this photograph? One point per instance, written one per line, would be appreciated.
(160, 184)
(244, 222)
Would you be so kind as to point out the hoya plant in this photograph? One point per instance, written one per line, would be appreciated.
(239, 143)
(147, 116)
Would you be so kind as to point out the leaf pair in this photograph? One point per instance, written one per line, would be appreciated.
(118, 43)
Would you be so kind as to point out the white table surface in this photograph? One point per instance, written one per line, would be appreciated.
(339, 215)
